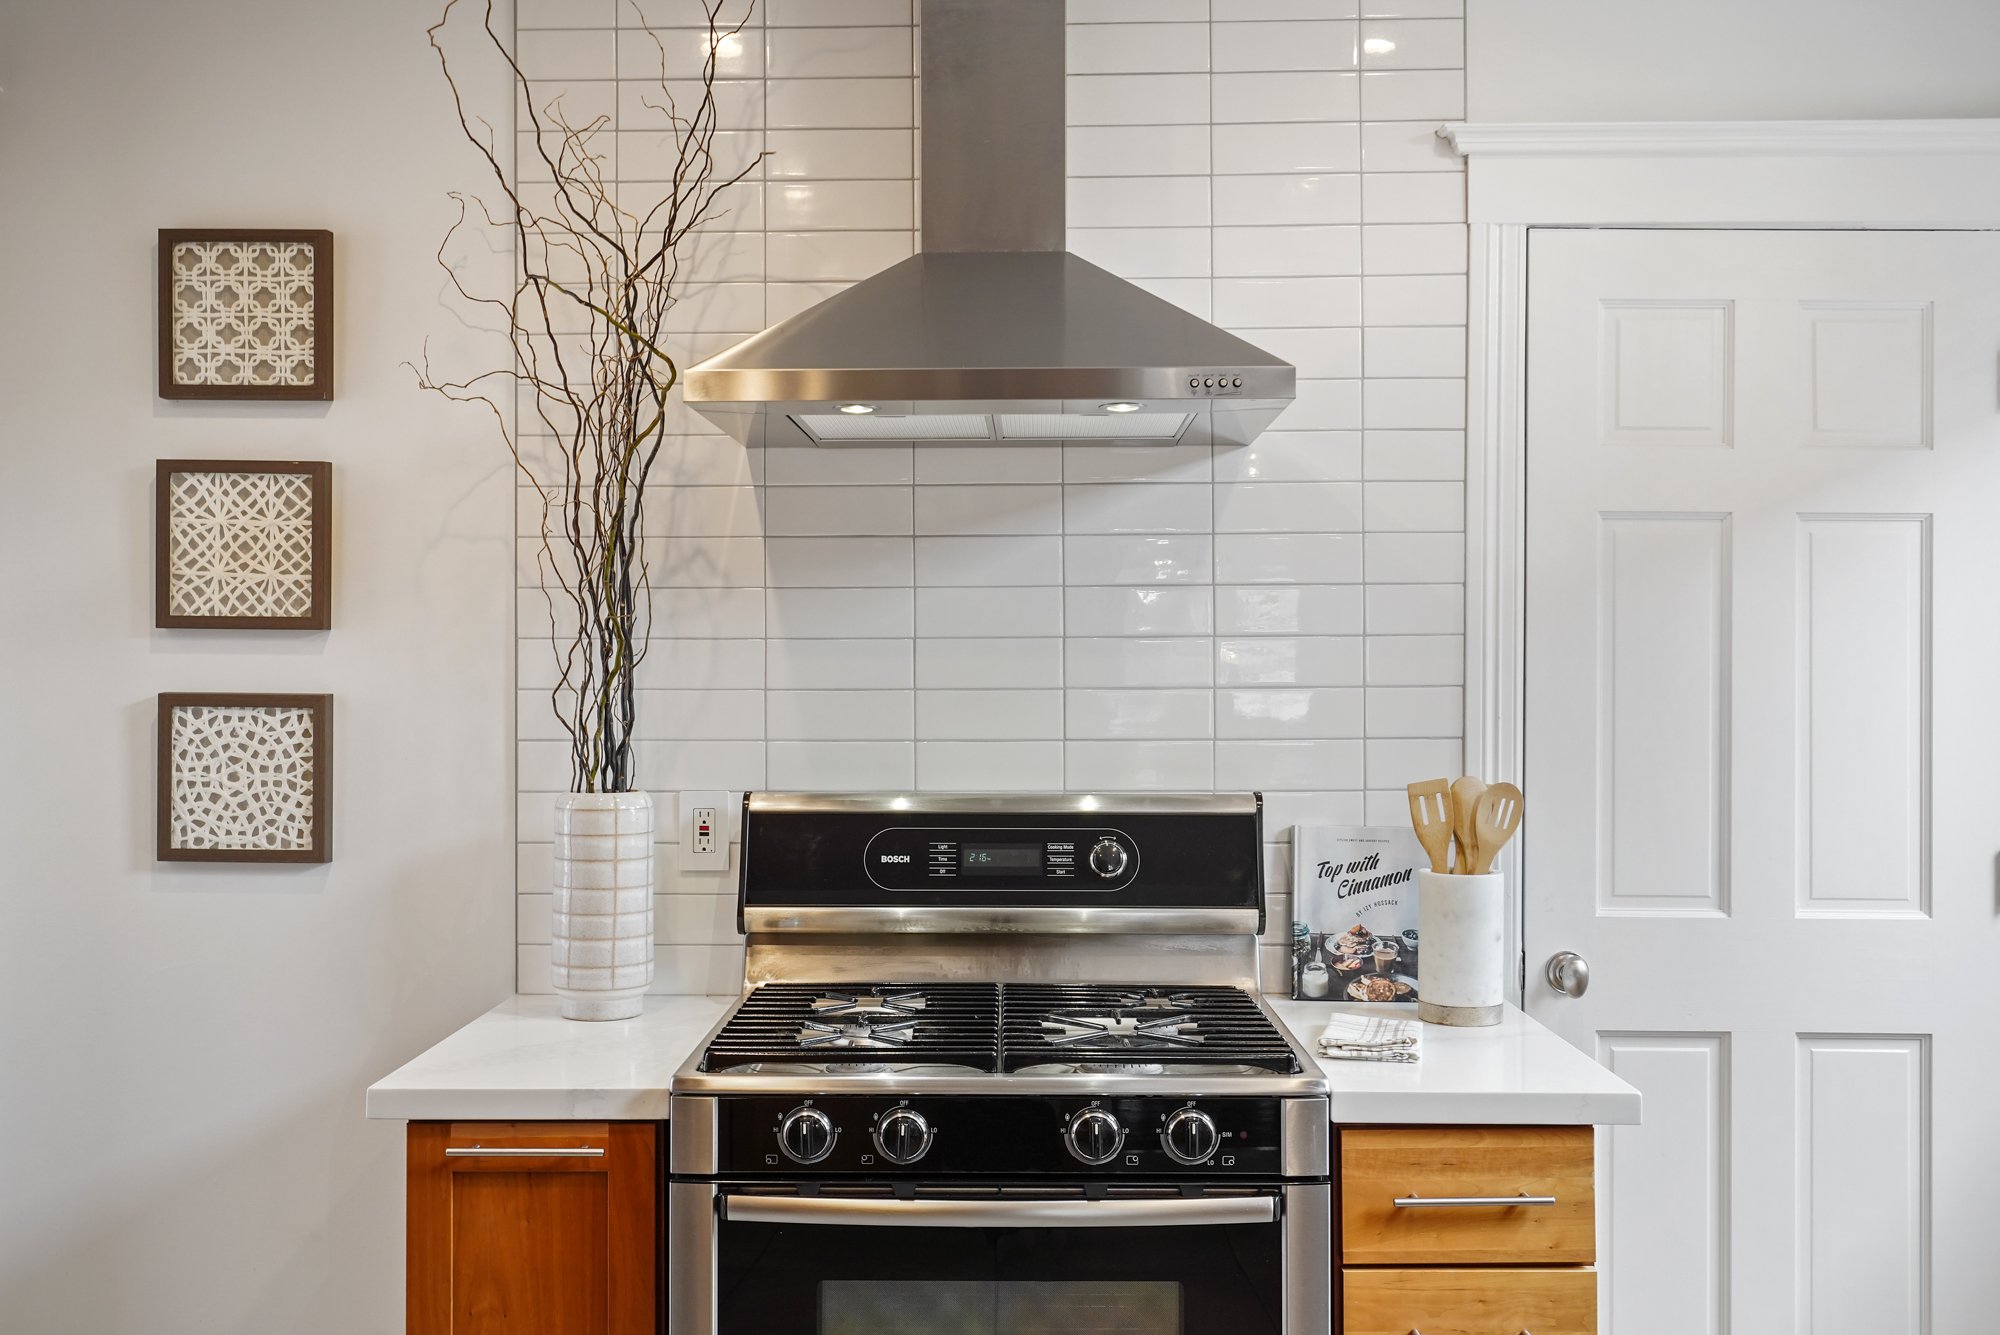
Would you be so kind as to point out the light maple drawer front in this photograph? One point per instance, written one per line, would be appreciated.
(1474, 1167)
(1469, 1302)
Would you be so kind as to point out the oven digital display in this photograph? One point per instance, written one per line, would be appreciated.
(999, 859)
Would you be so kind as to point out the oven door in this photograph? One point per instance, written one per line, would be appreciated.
(1008, 1261)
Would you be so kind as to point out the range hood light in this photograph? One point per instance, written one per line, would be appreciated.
(857, 409)
(1121, 407)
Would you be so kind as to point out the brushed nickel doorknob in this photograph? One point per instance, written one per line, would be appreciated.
(1568, 973)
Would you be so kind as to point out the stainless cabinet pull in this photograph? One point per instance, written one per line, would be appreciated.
(512, 1152)
(1415, 1202)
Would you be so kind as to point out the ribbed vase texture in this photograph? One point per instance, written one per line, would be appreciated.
(601, 935)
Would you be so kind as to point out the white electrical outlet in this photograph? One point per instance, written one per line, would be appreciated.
(704, 836)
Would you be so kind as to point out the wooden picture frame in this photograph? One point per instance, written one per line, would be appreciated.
(304, 821)
(214, 598)
(210, 312)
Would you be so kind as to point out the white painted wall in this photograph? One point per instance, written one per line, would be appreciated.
(183, 1049)
(1618, 60)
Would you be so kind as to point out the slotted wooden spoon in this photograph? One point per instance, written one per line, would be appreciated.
(1494, 823)
(1465, 793)
(1430, 815)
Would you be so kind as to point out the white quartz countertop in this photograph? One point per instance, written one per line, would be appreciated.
(1515, 1073)
(521, 1061)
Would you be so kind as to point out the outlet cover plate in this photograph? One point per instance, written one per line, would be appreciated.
(711, 854)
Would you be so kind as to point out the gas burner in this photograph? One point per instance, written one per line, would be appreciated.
(1112, 1027)
(857, 1033)
(875, 1001)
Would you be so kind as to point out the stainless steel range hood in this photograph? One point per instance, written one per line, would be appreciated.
(994, 334)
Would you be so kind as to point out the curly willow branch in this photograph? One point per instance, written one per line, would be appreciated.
(590, 375)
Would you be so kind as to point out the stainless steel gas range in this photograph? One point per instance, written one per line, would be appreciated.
(1000, 1067)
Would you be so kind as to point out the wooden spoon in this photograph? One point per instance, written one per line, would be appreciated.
(1498, 816)
(1430, 815)
(1464, 802)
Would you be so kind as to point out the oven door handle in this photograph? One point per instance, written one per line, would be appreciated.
(1167, 1212)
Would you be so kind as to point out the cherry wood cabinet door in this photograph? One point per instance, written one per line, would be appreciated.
(533, 1228)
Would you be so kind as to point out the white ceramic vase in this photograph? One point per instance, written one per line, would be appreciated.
(1461, 921)
(601, 934)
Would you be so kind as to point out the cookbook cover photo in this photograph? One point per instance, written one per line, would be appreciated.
(1354, 912)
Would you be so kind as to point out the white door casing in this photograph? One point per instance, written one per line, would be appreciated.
(1779, 446)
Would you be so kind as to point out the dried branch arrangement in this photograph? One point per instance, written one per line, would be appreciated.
(594, 278)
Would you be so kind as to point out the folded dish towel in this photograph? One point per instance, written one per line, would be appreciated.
(1371, 1038)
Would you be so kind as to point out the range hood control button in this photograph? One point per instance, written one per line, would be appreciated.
(1094, 1136)
(1190, 1137)
(806, 1135)
(903, 1136)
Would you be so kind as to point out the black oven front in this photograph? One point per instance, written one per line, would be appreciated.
(1008, 1258)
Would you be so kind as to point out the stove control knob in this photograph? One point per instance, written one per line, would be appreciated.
(1094, 1136)
(903, 1135)
(1190, 1137)
(806, 1135)
(1108, 857)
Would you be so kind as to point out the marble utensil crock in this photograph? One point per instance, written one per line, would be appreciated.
(1462, 922)
(601, 933)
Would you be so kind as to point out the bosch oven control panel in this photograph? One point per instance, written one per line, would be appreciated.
(1001, 858)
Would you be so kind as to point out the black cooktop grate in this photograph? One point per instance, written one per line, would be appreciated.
(999, 1027)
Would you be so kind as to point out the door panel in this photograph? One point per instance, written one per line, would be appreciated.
(1763, 619)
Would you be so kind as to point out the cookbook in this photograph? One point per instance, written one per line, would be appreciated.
(1354, 912)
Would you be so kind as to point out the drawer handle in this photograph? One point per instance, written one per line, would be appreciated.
(481, 1152)
(1416, 1202)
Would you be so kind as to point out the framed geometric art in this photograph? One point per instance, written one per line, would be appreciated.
(242, 545)
(245, 778)
(246, 314)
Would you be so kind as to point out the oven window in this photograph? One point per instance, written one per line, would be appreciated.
(844, 1279)
(1007, 1307)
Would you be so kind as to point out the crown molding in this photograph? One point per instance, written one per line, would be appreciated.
(1723, 139)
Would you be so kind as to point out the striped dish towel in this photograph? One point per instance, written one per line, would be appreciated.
(1371, 1038)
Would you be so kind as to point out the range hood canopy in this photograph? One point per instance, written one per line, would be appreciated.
(994, 334)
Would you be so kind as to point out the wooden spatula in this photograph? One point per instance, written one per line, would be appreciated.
(1430, 814)
(1465, 793)
(1494, 823)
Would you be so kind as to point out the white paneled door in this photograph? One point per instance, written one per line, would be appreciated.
(1763, 712)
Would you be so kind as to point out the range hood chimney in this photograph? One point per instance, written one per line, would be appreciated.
(993, 333)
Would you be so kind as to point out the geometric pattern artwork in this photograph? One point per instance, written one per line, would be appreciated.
(246, 314)
(243, 545)
(244, 778)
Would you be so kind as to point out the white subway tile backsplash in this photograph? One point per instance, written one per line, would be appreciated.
(974, 612)
(1288, 713)
(1125, 766)
(1413, 558)
(1289, 660)
(1289, 609)
(1416, 660)
(1138, 99)
(1139, 611)
(988, 715)
(1138, 150)
(1251, 201)
(996, 561)
(1282, 146)
(1088, 616)
(1137, 48)
(1412, 44)
(796, 665)
(1284, 45)
(1138, 559)
(1287, 507)
(1138, 713)
(984, 663)
(1115, 662)
(986, 767)
(1318, 95)
(807, 613)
